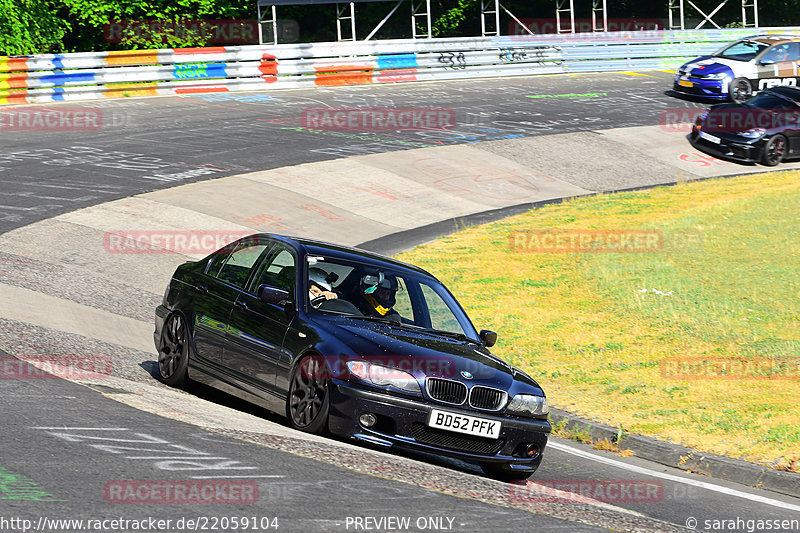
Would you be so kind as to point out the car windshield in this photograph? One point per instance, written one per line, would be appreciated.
(742, 50)
(768, 100)
(380, 292)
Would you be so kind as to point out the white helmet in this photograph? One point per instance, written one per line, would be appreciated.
(319, 277)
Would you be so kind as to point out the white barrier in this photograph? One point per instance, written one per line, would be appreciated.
(78, 76)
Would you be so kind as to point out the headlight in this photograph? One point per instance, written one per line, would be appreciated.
(754, 133)
(527, 404)
(166, 295)
(717, 76)
(383, 376)
(701, 118)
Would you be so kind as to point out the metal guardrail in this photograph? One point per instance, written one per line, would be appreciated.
(91, 75)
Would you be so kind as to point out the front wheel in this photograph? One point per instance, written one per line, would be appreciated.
(309, 399)
(173, 355)
(503, 472)
(774, 151)
(740, 90)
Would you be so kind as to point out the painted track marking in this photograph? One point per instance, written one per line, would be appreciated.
(670, 477)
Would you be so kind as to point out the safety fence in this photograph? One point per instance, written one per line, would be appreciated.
(91, 75)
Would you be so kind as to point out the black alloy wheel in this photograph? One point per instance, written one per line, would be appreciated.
(774, 151)
(740, 90)
(173, 356)
(308, 403)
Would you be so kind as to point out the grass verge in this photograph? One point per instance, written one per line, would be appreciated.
(632, 339)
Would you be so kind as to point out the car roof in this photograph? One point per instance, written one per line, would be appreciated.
(771, 39)
(315, 247)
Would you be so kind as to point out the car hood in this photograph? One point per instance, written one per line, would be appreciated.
(734, 118)
(426, 354)
(703, 66)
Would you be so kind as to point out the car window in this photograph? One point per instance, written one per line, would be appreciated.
(767, 100)
(216, 261)
(742, 50)
(441, 315)
(279, 270)
(403, 302)
(336, 273)
(237, 268)
(783, 52)
(361, 287)
(794, 52)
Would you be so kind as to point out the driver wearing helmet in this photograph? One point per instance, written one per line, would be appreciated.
(378, 296)
(319, 288)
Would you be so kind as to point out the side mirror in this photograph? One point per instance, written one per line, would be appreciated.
(767, 62)
(489, 338)
(272, 295)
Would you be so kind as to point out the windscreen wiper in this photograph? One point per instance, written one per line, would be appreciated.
(454, 335)
(376, 319)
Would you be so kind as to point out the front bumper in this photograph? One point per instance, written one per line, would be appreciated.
(402, 423)
(161, 317)
(729, 149)
(716, 89)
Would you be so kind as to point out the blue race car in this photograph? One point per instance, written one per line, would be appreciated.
(741, 69)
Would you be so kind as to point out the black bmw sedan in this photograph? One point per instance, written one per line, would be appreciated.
(765, 129)
(350, 342)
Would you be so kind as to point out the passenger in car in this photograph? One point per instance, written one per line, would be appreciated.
(378, 299)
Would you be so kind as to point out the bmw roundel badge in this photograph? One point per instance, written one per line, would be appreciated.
(467, 375)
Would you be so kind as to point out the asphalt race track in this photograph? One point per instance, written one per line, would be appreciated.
(70, 449)
(141, 142)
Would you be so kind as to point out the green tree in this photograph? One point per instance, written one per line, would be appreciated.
(455, 17)
(31, 27)
(89, 17)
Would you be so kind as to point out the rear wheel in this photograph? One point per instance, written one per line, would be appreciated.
(774, 151)
(309, 400)
(740, 90)
(503, 472)
(173, 356)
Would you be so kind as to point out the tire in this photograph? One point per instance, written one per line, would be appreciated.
(774, 151)
(309, 400)
(502, 472)
(740, 90)
(173, 355)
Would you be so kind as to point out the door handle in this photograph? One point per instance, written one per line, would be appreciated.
(202, 288)
(241, 303)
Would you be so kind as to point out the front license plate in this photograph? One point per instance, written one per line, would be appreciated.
(684, 83)
(709, 138)
(470, 425)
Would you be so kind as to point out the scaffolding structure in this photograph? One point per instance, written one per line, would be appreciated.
(599, 7)
(561, 11)
(345, 18)
(678, 12)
